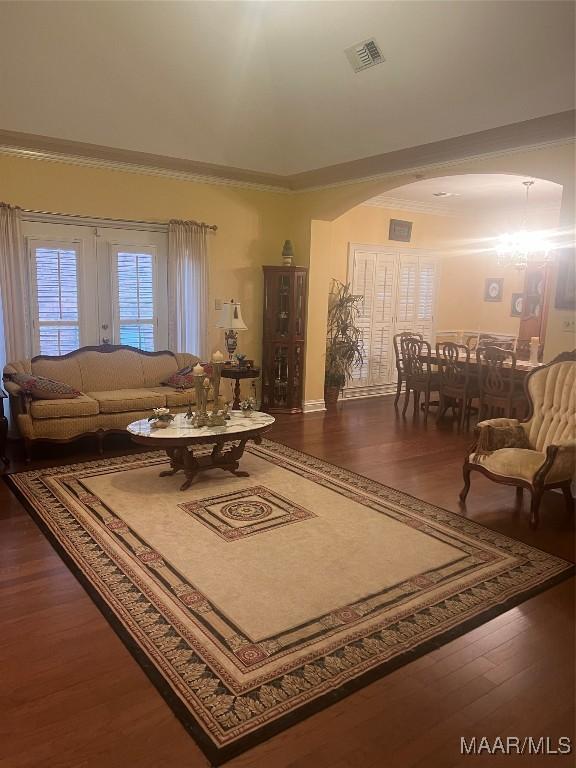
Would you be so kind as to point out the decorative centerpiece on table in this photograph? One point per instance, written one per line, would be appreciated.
(248, 406)
(207, 377)
(161, 418)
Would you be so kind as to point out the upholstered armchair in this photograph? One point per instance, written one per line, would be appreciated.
(538, 453)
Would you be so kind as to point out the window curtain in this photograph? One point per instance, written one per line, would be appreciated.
(13, 287)
(188, 296)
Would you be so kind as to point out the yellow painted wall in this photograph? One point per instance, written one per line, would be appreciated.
(252, 225)
(555, 163)
(560, 333)
(464, 244)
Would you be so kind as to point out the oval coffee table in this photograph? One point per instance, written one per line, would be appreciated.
(180, 439)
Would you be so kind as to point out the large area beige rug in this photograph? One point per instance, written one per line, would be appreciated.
(254, 601)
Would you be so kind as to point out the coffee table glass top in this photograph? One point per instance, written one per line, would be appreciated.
(180, 427)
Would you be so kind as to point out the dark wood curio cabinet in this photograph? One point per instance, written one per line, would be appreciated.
(285, 290)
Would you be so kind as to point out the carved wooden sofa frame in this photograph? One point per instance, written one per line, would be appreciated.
(21, 403)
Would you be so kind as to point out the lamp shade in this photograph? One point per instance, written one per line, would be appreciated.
(231, 316)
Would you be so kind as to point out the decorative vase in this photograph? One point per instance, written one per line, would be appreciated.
(331, 395)
(160, 424)
(287, 253)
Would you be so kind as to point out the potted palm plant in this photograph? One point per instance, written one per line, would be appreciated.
(343, 340)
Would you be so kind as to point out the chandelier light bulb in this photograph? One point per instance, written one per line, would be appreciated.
(515, 249)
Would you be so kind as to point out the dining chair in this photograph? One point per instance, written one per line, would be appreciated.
(400, 372)
(458, 381)
(501, 394)
(420, 378)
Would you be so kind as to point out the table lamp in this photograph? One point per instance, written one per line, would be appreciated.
(231, 320)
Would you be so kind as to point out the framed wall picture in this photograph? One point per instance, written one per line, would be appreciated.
(517, 305)
(493, 289)
(566, 282)
(400, 230)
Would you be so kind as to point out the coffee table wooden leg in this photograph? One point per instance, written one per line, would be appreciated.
(182, 458)
(191, 467)
(175, 462)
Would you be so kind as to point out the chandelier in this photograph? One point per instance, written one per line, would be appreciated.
(515, 249)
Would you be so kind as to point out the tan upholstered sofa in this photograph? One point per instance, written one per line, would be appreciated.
(118, 385)
(538, 453)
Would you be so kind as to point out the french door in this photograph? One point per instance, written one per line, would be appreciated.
(399, 288)
(94, 285)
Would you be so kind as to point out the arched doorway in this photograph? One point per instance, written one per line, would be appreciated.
(455, 222)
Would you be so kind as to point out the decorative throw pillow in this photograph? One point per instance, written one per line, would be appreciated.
(41, 388)
(182, 379)
(493, 438)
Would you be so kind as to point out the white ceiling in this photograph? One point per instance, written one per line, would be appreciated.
(471, 193)
(266, 85)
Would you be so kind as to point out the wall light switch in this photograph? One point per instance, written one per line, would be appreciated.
(217, 304)
(569, 326)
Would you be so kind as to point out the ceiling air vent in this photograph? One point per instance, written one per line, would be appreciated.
(363, 55)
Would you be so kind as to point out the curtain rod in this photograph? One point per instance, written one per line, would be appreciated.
(93, 220)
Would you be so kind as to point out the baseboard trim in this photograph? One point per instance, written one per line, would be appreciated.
(355, 393)
(314, 406)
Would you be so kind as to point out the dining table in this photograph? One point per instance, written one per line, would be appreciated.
(522, 369)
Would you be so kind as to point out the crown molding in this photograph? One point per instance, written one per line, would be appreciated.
(413, 206)
(31, 146)
(535, 134)
(540, 132)
(436, 209)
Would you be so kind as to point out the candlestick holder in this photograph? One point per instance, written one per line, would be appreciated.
(205, 380)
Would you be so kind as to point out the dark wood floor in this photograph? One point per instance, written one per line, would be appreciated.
(72, 696)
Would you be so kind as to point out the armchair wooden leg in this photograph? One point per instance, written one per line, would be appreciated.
(535, 506)
(569, 501)
(466, 471)
(398, 390)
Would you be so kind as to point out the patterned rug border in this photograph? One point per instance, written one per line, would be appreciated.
(218, 756)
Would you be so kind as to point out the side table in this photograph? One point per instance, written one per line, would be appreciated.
(237, 373)
(3, 428)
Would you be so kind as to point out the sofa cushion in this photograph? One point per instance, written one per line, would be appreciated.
(110, 371)
(176, 397)
(51, 409)
(521, 463)
(158, 367)
(121, 400)
(64, 369)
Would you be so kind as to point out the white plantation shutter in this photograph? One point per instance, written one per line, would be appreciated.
(399, 291)
(372, 277)
(136, 320)
(56, 320)
(362, 284)
(416, 295)
(381, 363)
(407, 286)
(426, 297)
